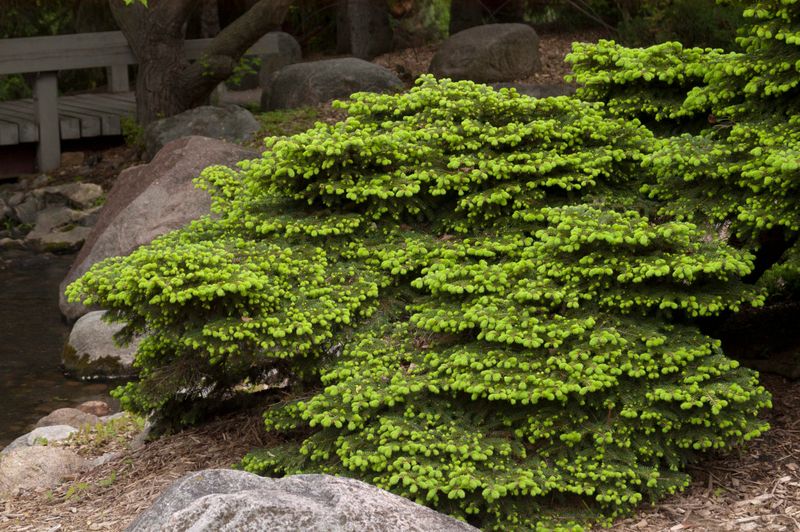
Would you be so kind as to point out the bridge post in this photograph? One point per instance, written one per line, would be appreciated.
(45, 101)
(117, 76)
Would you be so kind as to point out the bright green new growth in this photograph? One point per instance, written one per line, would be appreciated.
(729, 149)
(499, 324)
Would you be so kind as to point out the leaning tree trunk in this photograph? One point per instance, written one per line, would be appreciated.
(167, 83)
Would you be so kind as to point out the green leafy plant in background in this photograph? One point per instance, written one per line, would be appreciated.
(728, 152)
(475, 306)
(133, 133)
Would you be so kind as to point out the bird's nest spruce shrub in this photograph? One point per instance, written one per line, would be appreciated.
(728, 127)
(480, 310)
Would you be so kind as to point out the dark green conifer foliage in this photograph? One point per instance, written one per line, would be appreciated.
(729, 125)
(499, 323)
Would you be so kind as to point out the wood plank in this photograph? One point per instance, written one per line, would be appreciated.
(89, 50)
(89, 124)
(9, 134)
(26, 127)
(25, 109)
(64, 52)
(45, 92)
(123, 102)
(268, 44)
(109, 122)
(113, 111)
(116, 102)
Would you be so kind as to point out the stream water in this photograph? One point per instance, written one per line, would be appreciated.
(32, 336)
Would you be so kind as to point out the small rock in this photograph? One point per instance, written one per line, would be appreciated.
(41, 436)
(488, 53)
(5, 210)
(68, 416)
(25, 212)
(104, 459)
(54, 217)
(56, 229)
(320, 81)
(91, 350)
(11, 243)
(96, 408)
(16, 198)
(65, 241)
(231, 123)
(72, 158)
(27, 468)
(222, 500)
(77, 195)
(112, 417)
(39, 181)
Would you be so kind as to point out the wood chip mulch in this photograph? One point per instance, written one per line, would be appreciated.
(410, 63)
(110, 496)
(754, 488)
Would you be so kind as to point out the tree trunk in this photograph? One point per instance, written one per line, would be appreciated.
(209, 19)
(466, 14)
(167, 83)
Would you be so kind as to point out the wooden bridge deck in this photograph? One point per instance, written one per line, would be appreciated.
(79, 116)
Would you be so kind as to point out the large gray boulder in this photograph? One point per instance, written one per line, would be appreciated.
(149, 200)
(91, 350)
(230, 122)
(222, 500)
(40, 466)
(289, 53)
(320, 81)
(489, 53)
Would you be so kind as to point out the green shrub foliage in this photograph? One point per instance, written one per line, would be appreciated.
(729, 128)
(480, 311)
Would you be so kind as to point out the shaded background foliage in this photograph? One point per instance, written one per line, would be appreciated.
(415, 23)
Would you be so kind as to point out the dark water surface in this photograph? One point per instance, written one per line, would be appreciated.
(32, 335)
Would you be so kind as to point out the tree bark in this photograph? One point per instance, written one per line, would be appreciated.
(167, 83)
(209, 19)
